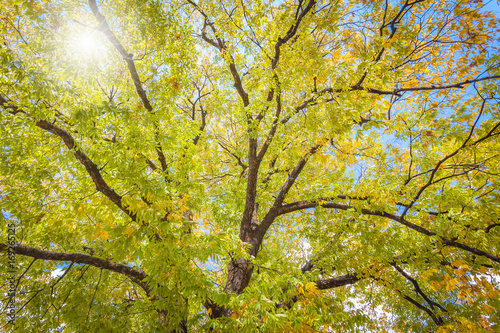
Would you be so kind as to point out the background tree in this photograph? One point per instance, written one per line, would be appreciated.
(251, 166)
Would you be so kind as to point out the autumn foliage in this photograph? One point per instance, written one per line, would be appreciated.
(250, 166)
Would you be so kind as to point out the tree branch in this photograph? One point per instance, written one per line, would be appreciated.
(444, 159)
(272, 131)
(417, 288)
(293, 176)
(431, 314)
(277, 205)
(291, 32)
(135, 275)
(301, 205)
(396, 92)
(222, 47)
(129, 59)
(337, 281)
(90, 166)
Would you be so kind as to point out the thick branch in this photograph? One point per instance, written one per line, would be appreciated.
(273, 129)
(202, 126)
(459, 85)
(134, 274)
(251, 192)
(89, 165)
(277, 205)
(222, 47)
(291, 32)
(104, 27)
(396, 92)
(293, 176)
(128, 57)
(337, 281)
(301, 205)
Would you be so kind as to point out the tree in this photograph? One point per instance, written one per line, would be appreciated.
(266, 166)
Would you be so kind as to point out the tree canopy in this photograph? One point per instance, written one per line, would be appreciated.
(253, 166)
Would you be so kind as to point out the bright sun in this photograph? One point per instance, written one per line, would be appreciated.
(87, 44)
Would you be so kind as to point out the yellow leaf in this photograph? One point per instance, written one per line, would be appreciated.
(311, 286)
(493, 293)
(236, 314)
(103, 234)
(489, 308)
(452, 284)
(300, 289)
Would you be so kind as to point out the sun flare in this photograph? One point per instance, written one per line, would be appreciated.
(86, 45)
